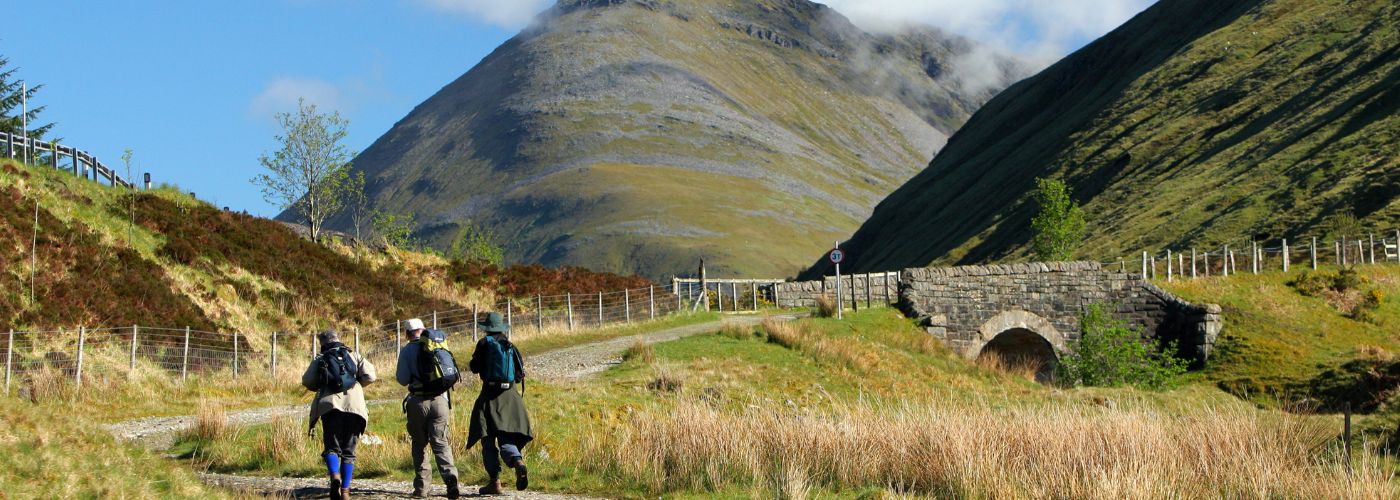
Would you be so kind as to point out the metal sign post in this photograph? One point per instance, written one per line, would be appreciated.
(836, 257)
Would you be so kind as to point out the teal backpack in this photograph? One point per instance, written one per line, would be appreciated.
(501, 361)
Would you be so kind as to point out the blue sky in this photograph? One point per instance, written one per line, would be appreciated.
(191, 86)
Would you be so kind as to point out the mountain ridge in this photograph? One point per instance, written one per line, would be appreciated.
(641, 135)
(1194, 124)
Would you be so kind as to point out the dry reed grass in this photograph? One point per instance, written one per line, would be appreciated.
(978, 451)
(826, 307)
(1017, 367)
(211, 422)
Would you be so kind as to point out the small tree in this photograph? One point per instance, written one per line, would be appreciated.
(357, 204)
(12, 94)
(1110, 353)
(1059, 227)
(309, 174)
(476, 244)
(396, 230)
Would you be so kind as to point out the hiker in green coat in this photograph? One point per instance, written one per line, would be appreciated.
(499, 419)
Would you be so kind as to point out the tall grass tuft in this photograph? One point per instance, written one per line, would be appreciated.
(979, 451)
(826, 307)
(211, 423)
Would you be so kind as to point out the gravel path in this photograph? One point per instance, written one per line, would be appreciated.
(570, 363)
(589, 359)
(363, 488)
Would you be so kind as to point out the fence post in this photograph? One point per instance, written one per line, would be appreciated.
(753, 289)
(235, 354)
(569, 301)
(1144, 265)
(1285, 255)
(1313, 251)
(1193, 263)
(539, 312)
(185, 360)
(435, 324)
(627, 305)
(398, 332)
(1397, 245)
(476, 325)
(600, 308)
(134, 330)
(82, 338)
(1372, 245)
(651, 300)
(1361, 252)
(9, 360)
(1169, 265)
(680, 303)
(719, 296)
(1225, 258)
(1253, 257)
(1205, 264)
(272, 367)
(1153, 259)
(510, 313)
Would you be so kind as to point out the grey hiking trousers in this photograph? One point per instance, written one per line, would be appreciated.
(427, 426)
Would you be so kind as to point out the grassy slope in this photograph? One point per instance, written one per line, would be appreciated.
(1197, 123)
(184, 262)
(47, 452)
(1275, 337)
(876, 358)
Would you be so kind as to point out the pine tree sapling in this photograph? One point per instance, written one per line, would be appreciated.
(309, 174)
(1059, 226)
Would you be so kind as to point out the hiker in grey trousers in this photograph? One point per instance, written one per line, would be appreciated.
(427, 420)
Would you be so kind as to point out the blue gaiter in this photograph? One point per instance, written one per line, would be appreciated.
(333, 464)
(347, 471)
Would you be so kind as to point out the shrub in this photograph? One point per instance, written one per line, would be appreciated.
(1110, 353)
(1365, 310)
(826, 307)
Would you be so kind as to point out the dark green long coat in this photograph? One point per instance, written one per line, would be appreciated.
(498, 411)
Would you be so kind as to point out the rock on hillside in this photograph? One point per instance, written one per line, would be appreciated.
(640, 135)
(1197, 123)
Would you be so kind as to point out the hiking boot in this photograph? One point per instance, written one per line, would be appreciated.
(491, 488)
(345, 494)
(522, 476)
(335, 489)
(419, 493)
(452, 490)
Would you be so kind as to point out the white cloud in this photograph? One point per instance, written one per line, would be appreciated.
(282, 93)
(510, 14)
(1041, 30)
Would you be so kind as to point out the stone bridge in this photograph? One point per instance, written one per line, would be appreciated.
(1032, 311)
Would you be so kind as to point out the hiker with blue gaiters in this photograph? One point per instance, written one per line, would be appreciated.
(338, 376)
(499, 419)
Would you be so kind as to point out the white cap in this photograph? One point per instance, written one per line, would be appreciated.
(414, 324)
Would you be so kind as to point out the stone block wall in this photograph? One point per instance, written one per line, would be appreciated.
(883, 289)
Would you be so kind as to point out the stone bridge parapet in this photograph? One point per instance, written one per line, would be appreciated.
(969, 306)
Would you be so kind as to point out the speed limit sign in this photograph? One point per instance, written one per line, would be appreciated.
(837, 256)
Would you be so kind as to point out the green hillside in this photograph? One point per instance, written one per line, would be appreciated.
(640, 135)
(1196, 123)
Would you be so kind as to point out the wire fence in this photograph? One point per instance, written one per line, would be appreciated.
(82, 354)
(1258, 257)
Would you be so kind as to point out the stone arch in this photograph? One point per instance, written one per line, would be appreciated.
(1020, 337)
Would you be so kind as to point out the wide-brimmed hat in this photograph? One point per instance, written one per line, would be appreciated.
(413, 324)
(494, 324)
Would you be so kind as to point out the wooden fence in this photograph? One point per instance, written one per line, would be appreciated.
(81, 163)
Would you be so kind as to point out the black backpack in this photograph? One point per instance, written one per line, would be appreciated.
(339, 372)
(437, 369)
